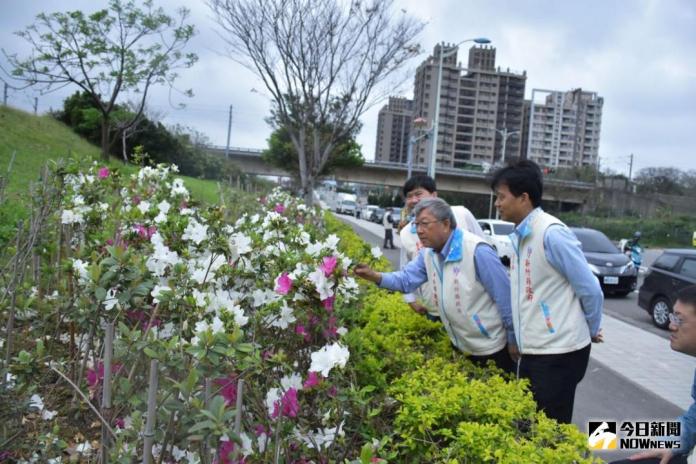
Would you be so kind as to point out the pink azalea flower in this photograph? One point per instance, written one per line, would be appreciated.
(300, 330)
(333, 391)
(283, 284)
(104, 173)
(279, 208)
(328, 265)
(225, 452)
(95, 376)
(288, 405)
(331, 330)
(312, 380)
(229, 389)
(328, 303)
(260, 429)
(109, 241)
(120, 423)
(136, 200)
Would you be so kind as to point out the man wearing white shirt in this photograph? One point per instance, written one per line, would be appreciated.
(417, 188)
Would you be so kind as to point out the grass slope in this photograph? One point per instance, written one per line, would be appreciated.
(38, 139)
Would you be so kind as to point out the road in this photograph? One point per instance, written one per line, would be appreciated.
(604, 394)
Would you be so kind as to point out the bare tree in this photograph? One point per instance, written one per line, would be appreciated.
(325, 62)
(117, 50)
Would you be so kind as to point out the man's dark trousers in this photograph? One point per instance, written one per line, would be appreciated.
(388, 238)
(553, 379)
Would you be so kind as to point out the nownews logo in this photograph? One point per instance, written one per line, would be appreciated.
(634, 435)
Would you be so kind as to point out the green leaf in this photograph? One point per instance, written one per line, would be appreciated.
(366, 453)
(206, 424)
(100, 293)
(151, 353)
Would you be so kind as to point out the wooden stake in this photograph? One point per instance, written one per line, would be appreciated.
(106, 391)
(151, 414)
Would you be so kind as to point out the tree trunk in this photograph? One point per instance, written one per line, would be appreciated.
(105, 137)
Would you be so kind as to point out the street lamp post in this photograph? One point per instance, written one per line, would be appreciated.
(505, 134)
(436, 120)
(417, 123)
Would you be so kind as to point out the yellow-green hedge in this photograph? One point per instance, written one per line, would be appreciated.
(430, 403)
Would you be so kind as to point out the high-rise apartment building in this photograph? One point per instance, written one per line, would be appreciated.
(393, 130)
(563, 131)
(477, 104)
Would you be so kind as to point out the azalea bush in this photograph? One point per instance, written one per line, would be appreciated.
(215, 302)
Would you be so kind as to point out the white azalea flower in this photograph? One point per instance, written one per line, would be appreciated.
(332, 241)
(291, 381)
(342, 331)
(240, 244)
(82, 271)
(200, 298)
(36, 402)
(164, 206)
(283, 320)
(313, 249)
(328, 357)
(376, 252)
(178, 188)
(160, 218)
(48, 415)
(217, 325)
(272, 397)
(110, 300)
(157, 292)
(84, 448)
(321, 283)
(71, 217)
(144, 206)
(195, 231)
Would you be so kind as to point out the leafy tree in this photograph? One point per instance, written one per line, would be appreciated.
(282, 153)
(324, 62)
(116, 51)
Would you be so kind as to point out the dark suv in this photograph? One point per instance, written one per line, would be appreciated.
(672, 271)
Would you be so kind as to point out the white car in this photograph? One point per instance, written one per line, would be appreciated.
(497, 235)
(366, 212)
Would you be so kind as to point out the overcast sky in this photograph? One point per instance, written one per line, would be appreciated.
(640, 55)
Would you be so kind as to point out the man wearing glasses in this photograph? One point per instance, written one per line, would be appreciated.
(682, 324)
(417, 188)
(466, 279)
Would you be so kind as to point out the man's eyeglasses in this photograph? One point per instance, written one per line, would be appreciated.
(424, 223)
(676, 320)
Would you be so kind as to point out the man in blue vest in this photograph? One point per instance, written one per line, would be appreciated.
(556, 300)
(468, 283)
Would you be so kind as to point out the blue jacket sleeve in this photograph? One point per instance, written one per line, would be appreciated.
(412, 276)
(688, 425)
(492, 275)
(564, 253)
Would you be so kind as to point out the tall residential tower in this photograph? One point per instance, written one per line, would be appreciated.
(477, 103)
(564, 130)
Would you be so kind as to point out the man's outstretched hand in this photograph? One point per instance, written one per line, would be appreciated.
(364, 271)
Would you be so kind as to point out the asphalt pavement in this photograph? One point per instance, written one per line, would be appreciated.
(634, 375)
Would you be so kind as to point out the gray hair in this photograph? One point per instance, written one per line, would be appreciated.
(438, 208)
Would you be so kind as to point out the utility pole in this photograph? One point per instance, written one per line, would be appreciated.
(630, 168)
(229, 130)
(36, 105)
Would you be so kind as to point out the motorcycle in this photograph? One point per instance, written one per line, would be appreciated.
(633, 249)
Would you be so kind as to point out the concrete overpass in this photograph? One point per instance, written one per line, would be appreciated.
(394, 175)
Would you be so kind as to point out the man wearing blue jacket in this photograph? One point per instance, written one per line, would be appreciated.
(556, 300)
(467, 281)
